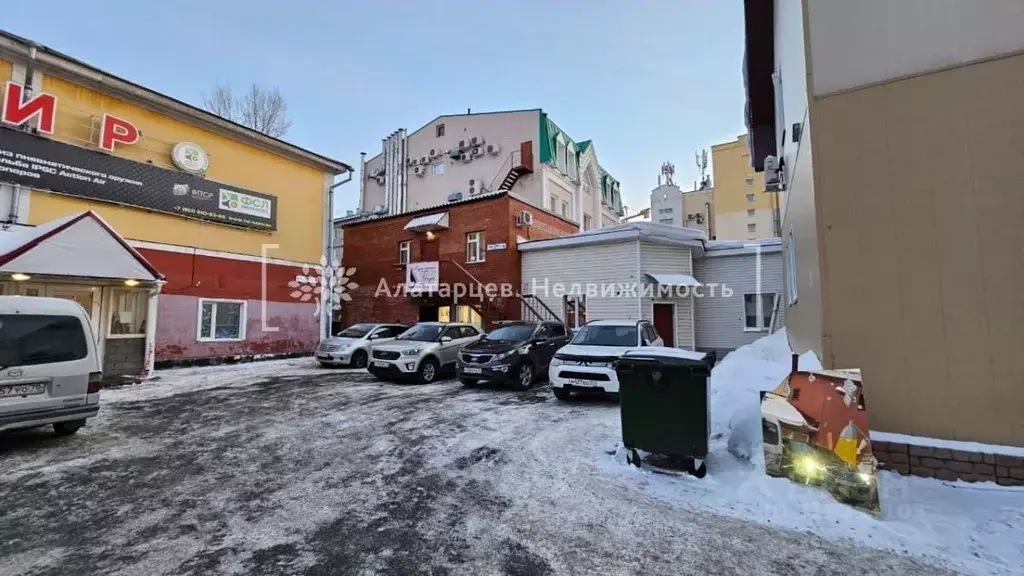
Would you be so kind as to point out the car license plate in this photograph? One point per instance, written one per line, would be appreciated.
(579, 382)
(472, 370)
(324, 356)
(381, 364)
(22, 390)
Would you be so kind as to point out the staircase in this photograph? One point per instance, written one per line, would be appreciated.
(534, 309)
(531, 307)
(518, 163)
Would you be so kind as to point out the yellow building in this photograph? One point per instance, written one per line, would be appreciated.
(213, 219)
(742, 208)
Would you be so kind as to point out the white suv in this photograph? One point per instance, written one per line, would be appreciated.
(587, 362)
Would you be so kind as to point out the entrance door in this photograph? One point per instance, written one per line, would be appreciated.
(428, 250)
(428, 314)
(665, 322)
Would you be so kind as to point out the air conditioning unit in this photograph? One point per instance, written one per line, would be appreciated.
(463, 144)
(524, 218)
(476, 141)
(380, 180)
(376, 172)
(774, 176)
(411, 161)
(700, 218)
(475, 187)
(419, 170)
(493, 149)
(379, 209)
(455, 196)
(424, 160)
(433, 153)
(478, 152)
(466, 157)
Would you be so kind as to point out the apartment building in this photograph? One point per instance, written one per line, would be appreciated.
(460, 156)
(894, 129)
(743, 210)
(691, 209)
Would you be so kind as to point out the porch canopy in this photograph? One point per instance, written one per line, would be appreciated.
(429, 222)
(80, 245)
(673, 279)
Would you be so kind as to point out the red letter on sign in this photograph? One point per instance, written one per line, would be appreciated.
(115, 130)
(17, 113)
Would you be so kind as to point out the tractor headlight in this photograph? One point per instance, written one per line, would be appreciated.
(808, 466)
(864, 477)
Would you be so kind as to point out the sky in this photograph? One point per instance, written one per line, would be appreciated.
(648, 81)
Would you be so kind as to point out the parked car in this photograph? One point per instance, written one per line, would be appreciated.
(513, 353)
(351, 346)
(587, 362)
(422, 352)
(49, 369)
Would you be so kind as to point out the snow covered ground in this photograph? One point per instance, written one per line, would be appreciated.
(281, 467)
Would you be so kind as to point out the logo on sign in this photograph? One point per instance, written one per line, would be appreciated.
(244, 203)
(183, 190)
(190, 157)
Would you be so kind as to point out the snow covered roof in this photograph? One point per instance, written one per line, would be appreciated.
(653, 231)
(715, 248)
(81, 245)
(673, 279)
(438, 221)
(783, 411)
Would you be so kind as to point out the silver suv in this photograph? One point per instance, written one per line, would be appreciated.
(351, 346)
(422, 352)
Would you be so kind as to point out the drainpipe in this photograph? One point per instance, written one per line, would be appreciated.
(327, 299)
(151, 318)
(362, 181)
(707, 218)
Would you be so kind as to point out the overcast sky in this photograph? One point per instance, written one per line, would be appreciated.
(647, 81)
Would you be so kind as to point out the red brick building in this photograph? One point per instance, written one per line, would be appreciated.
(473, 243)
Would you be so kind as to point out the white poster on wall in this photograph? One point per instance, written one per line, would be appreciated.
(421, 276)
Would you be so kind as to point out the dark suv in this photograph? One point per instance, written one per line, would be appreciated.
(513, 353)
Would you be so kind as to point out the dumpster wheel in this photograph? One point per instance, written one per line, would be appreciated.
(696, 467)
(633, 457)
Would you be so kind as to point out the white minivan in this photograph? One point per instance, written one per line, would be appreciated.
(49, 369)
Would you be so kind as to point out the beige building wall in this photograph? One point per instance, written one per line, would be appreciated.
(743, 210)
(699, 202)
(507, 129)
(920, 207)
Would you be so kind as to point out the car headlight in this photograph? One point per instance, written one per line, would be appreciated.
(503, 355)
(556, 361)
(411, 351)
(864, 477)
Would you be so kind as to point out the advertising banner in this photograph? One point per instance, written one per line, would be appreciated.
(62, 168)
(421, 276)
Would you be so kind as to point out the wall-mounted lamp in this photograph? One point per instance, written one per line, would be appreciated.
(430, 235)
(19, 277)
(131, 282)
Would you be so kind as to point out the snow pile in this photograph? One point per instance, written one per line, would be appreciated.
(971, 528)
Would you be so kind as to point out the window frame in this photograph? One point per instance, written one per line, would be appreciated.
(554, 202)
(588, 222)
(564, 209)
(751, 212)
(113, 307)
(759, 312)
(751, 227)
(434, 169)
(405, 246)
(439, 130)
(477, 239)
(579, 305)
(751, 197)
(243, 320)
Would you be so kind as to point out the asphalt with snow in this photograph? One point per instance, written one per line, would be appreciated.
(284, 468)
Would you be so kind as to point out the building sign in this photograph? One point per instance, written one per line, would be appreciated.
(190, 157)
(421, 276)
(62, 168)
(495, 247)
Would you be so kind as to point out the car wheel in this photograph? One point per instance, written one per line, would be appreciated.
(325, 365)
(469, 382)
(359, 359)
(67, 428)
(428, 370)
(524, 377)
(561, 393)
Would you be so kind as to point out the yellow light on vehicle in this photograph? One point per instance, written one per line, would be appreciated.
(809, 466)
(19, 277)
(865, 477)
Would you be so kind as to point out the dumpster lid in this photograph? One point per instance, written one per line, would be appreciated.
(666, 354)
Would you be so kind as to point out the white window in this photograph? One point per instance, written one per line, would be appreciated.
(791, 279)
(560, 154)
(666, 220)
(127, 314)
(751, 197)
(565, 208)
(751, 213)
(221, 320)
(750, 182)
(757, 311)
(588, 222)
(439, 169)
(570, 161)
(751, 227)
(665, 211)
(574, 310)
(475, 247)
(404, 252)
(554, 202)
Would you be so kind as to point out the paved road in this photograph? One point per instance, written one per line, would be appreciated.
(298, 471)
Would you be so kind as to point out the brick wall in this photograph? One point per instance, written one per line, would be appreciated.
(947, 464)
(372, 249)
(123, 357)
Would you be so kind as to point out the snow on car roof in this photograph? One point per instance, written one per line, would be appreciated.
(612, 323)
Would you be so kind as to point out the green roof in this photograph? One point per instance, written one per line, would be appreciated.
(583, 146)
(549, 131)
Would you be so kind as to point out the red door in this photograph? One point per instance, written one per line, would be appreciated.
(428, 251)
(665, 322)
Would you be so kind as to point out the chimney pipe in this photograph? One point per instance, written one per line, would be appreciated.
(796, 362)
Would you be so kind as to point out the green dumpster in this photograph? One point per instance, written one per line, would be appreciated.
(664, 404)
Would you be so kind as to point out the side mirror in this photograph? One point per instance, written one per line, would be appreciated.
(445, 339)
